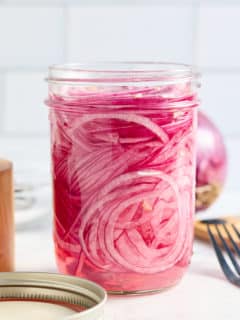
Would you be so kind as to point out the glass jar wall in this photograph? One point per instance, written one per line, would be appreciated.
(123, 166)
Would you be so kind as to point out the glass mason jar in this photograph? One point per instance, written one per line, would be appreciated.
(123, 139)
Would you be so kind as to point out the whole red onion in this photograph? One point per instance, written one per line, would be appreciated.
(211, 162)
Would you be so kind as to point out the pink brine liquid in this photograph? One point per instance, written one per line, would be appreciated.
(123, 164)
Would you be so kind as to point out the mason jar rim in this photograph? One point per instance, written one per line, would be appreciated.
(54, 288)
(121, 72)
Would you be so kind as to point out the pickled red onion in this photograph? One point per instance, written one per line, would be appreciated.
(128, 174)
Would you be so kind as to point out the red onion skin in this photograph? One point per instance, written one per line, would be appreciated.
(211, 156)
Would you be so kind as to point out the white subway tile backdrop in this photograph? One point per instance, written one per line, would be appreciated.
(36, 33)
(220, 95)
(218, 45)
(131, 32)
(2, 89)
(25, 111)
(30, 37)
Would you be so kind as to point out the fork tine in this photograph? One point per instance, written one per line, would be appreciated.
(221, 259)
(234, 244)
(236, 230)
(228, 250)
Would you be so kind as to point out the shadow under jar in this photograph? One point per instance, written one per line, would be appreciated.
(123, 139)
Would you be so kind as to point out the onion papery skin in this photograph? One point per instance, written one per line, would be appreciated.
(211, 169)
(123, 166)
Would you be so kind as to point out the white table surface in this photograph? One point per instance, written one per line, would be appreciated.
(203, 293)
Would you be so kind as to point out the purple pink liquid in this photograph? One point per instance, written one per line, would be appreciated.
(123, 164)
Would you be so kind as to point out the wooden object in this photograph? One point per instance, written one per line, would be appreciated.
(7, 228)
(202, 233)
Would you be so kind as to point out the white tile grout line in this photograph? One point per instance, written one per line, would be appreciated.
(65, 31)
(20, 69)
(195, 40)
(35, 69)
(22, 135)
(112, 3)
(74, 3)
(218, 70)
(50, 3)
(29, 4)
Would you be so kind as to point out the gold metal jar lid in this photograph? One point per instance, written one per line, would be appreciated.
(86, 298)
